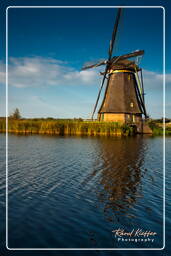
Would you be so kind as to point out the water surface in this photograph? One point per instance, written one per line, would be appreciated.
(72, 192)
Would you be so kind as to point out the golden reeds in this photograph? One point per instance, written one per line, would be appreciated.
(65, 127)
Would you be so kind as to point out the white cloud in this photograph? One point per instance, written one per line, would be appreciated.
(38, 72)
(45, 72)
(41, 72)
(154, 80)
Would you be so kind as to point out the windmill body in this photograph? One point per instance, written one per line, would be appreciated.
(121, 101)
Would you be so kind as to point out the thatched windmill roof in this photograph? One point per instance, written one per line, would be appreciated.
(120, 95)
(122, 64)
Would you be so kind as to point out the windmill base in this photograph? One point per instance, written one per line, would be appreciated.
(120, 117)
(143, 128)
(131, 119)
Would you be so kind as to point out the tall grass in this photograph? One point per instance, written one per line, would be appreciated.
(157, 128)
(65, 127)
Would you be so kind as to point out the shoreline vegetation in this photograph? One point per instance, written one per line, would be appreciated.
(75, 127)
(65, 127)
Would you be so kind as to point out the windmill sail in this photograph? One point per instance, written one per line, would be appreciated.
(112, 42)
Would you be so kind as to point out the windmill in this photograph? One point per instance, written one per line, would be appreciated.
(123, 99)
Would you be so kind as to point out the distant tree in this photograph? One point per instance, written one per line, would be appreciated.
(16, 114)
(78, 119)
(167, 120)
(50, 118)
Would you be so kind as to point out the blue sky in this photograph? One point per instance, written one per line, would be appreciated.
(48, 47)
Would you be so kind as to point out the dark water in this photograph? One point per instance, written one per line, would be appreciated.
(72, 192)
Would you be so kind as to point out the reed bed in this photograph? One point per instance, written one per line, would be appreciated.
(65, 127)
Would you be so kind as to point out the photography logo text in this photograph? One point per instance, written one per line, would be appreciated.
(135, 235)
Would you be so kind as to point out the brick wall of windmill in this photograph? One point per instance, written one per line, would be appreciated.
(120, 117)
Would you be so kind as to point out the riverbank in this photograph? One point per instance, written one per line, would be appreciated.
(157, 127)
(75, 127)
(65, 127)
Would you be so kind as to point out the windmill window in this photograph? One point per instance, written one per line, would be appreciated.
(131, 104)
(133, 118)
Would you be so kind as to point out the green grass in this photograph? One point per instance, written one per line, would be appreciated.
(157, 128)
(65, 127)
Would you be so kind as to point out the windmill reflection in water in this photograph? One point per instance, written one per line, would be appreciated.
(119, 175)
